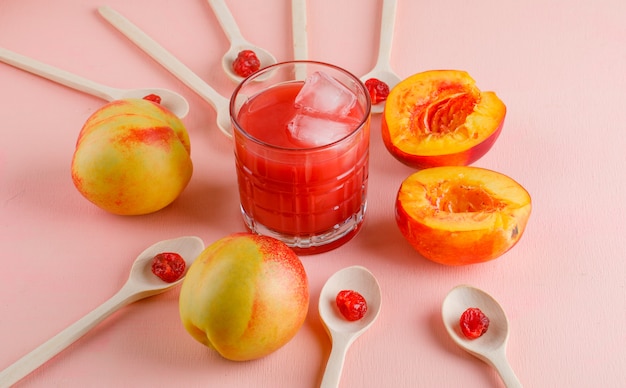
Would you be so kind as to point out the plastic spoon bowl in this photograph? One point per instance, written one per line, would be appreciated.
(491, 346)
(382, 69)
(341, 331)
(173, 101)
(141, 284)
(173, 65)
(237, 41)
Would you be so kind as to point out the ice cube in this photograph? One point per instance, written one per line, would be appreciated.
(313, 131)
(322, 93)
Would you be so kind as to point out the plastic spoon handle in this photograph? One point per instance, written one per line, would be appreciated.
(165, 58)
(65, 338)
(334, 366)
(299, 29)
(500, 363)
(226, 20)
(59, 76)
(387, 24)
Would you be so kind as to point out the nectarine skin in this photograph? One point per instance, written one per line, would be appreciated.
(245, 296)
(461, 215)
(440, 118)
(462, 158)
(132, 157)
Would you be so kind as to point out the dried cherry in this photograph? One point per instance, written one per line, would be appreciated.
(378, 90)
(246, 63)
(168, 266)
(474, 323)
(153, 97)
(352, 305)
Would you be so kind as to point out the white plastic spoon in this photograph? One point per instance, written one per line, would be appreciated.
(173, 65)
(341, 331)
(141, 284)
(382, 69)
(173, 101)
(299, 32)
(491, 346)
(237, 41)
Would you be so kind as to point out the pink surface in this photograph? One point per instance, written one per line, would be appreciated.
(558, 66)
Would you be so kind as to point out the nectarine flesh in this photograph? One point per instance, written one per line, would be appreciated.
(458, 215)
(440, 118)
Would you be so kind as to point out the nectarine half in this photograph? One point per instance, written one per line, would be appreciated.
(458, 215)
(440, 118)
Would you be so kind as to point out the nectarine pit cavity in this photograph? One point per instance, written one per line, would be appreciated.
(444, 115)
(457, 197)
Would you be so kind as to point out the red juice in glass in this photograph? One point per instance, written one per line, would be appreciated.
(302, 164)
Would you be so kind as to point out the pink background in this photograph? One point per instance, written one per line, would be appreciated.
(559, 67)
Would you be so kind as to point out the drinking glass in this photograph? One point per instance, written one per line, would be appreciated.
(302, 153)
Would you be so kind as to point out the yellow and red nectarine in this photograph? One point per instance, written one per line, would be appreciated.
(459, 215)
(440, 118)
(245, 296)
(132, 157)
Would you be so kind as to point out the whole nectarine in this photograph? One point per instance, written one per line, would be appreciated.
(132, 157)
(459, 215)
(440, 118)
(245, 296)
